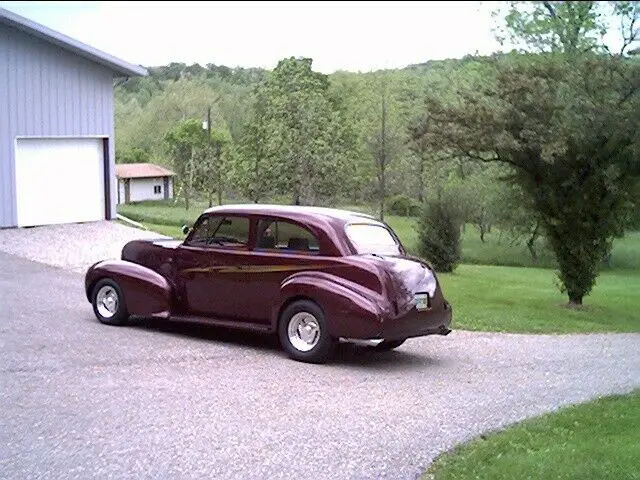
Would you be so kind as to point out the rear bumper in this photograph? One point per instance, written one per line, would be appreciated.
(435, 321)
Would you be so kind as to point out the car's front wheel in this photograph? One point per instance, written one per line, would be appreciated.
(108, 302)
(304, 334)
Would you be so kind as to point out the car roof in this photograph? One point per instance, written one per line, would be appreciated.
(295, 211)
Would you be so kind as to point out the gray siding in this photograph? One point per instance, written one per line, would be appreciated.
(48, 92)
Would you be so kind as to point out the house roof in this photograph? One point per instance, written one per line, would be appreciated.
(67, 43)
(141, 170)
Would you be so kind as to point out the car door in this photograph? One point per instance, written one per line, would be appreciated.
(210, 267)
(282, 248)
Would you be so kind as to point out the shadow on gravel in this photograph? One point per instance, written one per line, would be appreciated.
(210, 333)
(346, 355)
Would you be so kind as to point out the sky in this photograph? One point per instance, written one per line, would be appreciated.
(353, 36)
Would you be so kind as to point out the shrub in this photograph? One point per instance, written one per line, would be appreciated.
(403, 205)
(439, 234)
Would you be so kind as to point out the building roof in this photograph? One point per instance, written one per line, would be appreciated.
(67, 43)
(141, 170)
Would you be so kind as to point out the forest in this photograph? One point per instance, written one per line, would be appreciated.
(540, 143)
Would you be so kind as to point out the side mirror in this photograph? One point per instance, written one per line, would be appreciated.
(185, 229)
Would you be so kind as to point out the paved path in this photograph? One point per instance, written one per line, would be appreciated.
(82, 400)
(74, 246)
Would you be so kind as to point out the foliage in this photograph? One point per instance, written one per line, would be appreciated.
(133, 155)
(555, 26)
(439, 234)
(594, 440)
(308, 141)
(403, 205)
(569, 133)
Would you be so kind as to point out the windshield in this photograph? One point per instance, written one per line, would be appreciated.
(369, 238)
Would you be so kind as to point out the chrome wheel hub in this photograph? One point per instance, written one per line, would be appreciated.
(304, 331)
(107, 301)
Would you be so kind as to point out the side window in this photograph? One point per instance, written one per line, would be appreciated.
(204, 231)
(285, 236)
(221, 231)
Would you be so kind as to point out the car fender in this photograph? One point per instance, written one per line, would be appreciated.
(350, 309)
(146, 292)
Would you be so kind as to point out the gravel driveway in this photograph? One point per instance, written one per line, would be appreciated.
(74, 246)
(83, 400)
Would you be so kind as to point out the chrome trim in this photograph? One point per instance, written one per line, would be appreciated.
(369, 342)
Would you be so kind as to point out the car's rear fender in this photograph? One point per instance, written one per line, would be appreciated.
(350, 309)
(146, 292)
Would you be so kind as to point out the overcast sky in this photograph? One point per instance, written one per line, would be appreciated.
(355, 36)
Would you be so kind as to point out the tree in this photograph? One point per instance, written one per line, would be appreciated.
(568, 131)
(570, 27)
(257, 175)
(439, 233)
(186, 144)
(308, 140)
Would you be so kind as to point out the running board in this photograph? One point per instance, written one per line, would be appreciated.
(218, 322)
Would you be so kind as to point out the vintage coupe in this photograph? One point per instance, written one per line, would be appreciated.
(312, 275)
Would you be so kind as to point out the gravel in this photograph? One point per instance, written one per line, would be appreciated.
(160, 400)
(74, 246)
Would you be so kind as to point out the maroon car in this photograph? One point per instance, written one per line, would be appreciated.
(313, 275)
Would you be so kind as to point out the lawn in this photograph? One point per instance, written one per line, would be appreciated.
(594, 440)
(516, 299)
(489, 297)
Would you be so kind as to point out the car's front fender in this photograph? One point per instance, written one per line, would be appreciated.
(146, 292)
(350, 309)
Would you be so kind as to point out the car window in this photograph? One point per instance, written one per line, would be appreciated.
(285, 236)
(369, 238)
(221, 231)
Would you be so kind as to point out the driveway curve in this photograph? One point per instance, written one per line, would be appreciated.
(83, 400)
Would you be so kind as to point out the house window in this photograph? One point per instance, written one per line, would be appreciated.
(157, 189)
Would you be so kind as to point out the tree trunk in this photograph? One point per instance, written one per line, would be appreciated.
(383, 154)
(421, 181)
(186, 195)
(531, 243)
(482, 232)
(575, 301)
(210, 199)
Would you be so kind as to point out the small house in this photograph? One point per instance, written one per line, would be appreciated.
(143, 181)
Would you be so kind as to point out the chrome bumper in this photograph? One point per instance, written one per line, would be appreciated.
(362, 342)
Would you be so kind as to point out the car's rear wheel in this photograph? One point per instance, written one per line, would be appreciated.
(304, 334)
(388, 345)
(108, 302)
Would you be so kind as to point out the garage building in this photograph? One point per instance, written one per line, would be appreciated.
(57, 162)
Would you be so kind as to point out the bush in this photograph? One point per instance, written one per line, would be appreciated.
(439, 234)
(403, 205)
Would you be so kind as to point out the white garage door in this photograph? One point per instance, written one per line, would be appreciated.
(59, 180)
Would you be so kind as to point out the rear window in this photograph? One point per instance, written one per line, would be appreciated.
(368, 238)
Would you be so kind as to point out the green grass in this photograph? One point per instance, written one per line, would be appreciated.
(594, 440)
(526, 300)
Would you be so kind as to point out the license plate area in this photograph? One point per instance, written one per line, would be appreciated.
(422, 301)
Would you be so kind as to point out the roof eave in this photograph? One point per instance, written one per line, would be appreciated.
(51, 36)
